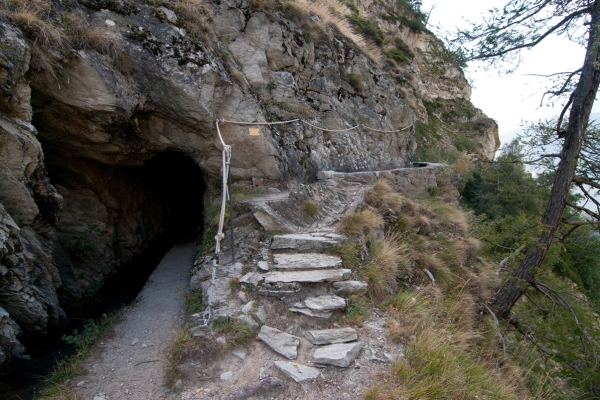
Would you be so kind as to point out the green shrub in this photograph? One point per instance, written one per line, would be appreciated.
(368, 28)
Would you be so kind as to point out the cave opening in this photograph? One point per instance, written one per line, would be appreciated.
(138, 214)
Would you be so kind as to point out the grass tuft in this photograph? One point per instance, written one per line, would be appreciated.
(311, 207)
(363, 222)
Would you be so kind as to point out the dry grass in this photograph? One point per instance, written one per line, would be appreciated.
(463, 164)
(332, 12)
(381, 272)
(196, 18)
(363, 223)
(186, 347)
(382, 196)
(311, 207)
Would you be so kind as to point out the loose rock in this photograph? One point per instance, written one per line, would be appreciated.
(340, 355)
(281, 342)
(350, 287)
(298, 372)
(330, 336)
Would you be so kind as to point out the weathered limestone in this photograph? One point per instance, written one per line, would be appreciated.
(341, 354)
(298, 372)
(263, 265)
(350, 287)
(306, 261)
(204, 272)
(308, 276)
(281, 342)
(320, 306)
(220, 291)
(252, 278)
(249, 320)
(302, 242)
(331, 336)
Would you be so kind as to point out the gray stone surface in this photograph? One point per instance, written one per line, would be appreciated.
(249, 320)
(203, 272)
(252, 278)
(306, 261)
(308, 276)
(302, 242)
(319, 306)
(263, 265)
(341, 354)
(331, 336)
(281, 342)
(240, 353)
(350, 287)
(298, 372)
(226, 376)
(261, 314)
(221, 290)
(247, 309)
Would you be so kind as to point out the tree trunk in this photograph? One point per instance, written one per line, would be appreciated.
(583, 99)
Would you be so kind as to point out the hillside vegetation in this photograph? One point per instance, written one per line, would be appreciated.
(437, 265)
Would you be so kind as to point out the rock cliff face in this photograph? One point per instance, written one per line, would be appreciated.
(107, 139)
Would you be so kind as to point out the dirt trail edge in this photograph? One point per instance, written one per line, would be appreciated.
(131, 363)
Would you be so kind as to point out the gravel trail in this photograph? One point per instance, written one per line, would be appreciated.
(130, 364)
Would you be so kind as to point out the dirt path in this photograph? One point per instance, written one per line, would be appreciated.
(130, 364)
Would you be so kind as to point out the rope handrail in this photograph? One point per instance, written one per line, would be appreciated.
(312, 125)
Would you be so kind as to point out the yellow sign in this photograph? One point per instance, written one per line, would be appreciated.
(254, 132)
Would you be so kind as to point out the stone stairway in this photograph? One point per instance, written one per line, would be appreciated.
(293, 289)
(296, 271)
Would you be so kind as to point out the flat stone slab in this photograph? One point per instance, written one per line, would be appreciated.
(314, 276)
(331, 336)
(281, 342)
(350, 287)
(302, 242)
(319, 306)
(340, 355)
(298, 372)
(252, 278)
(306, 261)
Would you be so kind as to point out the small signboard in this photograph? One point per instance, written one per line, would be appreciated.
(254, 132)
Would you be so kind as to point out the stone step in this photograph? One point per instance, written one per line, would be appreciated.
(341, 354)
(306, 261)
(311, 276)
(320, 306)
(331, 336)
(305, 242)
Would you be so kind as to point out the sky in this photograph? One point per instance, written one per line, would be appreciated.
(511, 99)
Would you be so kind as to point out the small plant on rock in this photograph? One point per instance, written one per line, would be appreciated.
(311, 207)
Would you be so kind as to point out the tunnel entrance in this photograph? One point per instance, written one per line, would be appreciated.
(178, 182)
(130, 216)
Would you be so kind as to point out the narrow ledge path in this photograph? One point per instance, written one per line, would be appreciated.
(131, 363)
